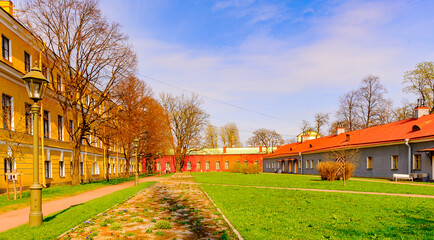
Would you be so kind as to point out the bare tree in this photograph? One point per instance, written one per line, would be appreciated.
(420, 81)
(321, 119)
(347, 159)
(305, 127)
(210, 136)
(371, 100)
(187, 119)
(230, 135)
(348, 106)
(404, 112)
(267, 138)
(87, 57)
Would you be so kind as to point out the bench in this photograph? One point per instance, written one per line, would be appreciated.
(397, 176)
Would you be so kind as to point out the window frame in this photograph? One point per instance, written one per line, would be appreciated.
(369, 162)
(27, 62)
(226, 165)
(417, 162)
(217, 165)
(394, 162)
(8, 112)
(46, 123)
(7, 57)
(198, 166)
(60, 131)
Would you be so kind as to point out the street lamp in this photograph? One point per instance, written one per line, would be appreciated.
(35, 84)
(136, 145)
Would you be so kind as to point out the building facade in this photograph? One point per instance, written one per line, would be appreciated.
(213, 160)
(19, 51)
(404, 147)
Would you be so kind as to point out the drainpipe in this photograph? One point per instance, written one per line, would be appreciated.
(301, 162)
(409, 155)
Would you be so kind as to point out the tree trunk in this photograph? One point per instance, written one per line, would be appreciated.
(76, 158)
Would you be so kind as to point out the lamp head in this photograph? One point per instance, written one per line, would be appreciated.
(36, 83)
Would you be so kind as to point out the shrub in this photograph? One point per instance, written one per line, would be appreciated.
(328, 170)
(115, 226)
(159, 233)
(242, 168)
(237, 168)
(163, 224)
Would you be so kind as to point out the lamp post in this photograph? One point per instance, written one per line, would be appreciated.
(136, 145)
(35, 84)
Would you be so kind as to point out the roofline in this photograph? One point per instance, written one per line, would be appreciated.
(367, 145)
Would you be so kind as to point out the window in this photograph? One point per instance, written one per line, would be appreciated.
(47, 165)
(46, 124)
(60, 128)
(198, 167)
(7, 112)
(256, 162)
(307, 164)
(168, 166)
(61, 169)
(158, 166)
(59, 83)
(311, 164)
(9, 167)
(27, 62)
(246, 163)
(82, 168)
(369, 163)
(395, 162)
(227, 165)
(188, 166)
(29, 120)
(71, 128)
(95, 168)
(207, 165)
(6, 48)
(217, 165)
(416, 162)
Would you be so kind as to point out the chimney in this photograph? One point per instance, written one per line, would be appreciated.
(224, 149)
(8, 6)
(340, 129)
(260, 149)
(421, 109)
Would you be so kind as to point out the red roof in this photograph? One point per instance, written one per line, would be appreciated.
(411, 129)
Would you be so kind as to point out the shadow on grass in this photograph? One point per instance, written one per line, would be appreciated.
(52, 217)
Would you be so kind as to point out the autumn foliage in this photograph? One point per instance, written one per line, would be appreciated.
(331, 170)
(246, 169)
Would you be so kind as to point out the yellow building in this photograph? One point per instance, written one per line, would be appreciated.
(19, 51)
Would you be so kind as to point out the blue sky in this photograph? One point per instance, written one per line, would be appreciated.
(287, 59)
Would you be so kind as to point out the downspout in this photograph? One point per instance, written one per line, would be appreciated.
(409, 155)
(301, 162)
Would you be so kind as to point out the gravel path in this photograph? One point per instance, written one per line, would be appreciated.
(166, 210)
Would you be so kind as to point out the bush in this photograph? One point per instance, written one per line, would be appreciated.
(246, 169)
(163, 224)
(115, 226)
(330, 170)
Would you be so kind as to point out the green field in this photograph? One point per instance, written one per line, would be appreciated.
(310, 182)
(264, 213)
(60, 222)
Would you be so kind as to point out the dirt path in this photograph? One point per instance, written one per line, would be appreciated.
(169, 209)
(18, 217)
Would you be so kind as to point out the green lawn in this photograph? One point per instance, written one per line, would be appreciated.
(308, 181)
(58, 223)
(286, 214)
(57, 192)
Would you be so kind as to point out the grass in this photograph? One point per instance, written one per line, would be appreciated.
(57, 192)
(167, 175)
(308, 181)
(56, 224)
(283, 214)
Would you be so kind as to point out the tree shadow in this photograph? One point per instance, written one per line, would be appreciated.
(53, 216)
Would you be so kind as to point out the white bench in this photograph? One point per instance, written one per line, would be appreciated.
(397, 176)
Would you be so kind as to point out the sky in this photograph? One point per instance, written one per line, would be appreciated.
(271, 64)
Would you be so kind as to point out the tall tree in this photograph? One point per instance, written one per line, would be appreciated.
(305, 127)
(211, 136)
(348, 106)
(91, 54)
(186, 120)
(404, 112)
(230, 135)
(420, 82)
(371, 101)
(266, 137)
(321, 119)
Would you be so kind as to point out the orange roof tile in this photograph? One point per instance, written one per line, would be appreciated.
(386, 133)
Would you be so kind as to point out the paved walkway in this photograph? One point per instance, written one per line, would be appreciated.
(19, 217)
